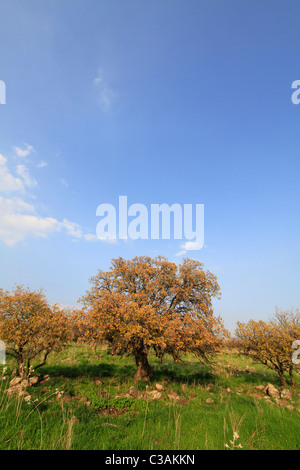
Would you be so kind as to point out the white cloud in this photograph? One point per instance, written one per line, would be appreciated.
(23, 171)
(72, 228)
(106, 96)
(17, 222)
(19, 219)
(7, 181)
(23, 153)
(42, 164)
(189, 245)
(92, 237)
(64, 182)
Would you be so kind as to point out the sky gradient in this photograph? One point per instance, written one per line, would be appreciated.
(170, 101)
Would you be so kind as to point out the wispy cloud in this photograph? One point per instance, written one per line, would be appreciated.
(24, 173)
(42, 164)
(19, 219)
(8, 182)
(24, 152)
(106, 96)
(189, 245)
(64, 182)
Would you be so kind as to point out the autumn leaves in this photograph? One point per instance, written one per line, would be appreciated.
(136, 305)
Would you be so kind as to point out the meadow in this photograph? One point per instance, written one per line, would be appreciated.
(87, 400)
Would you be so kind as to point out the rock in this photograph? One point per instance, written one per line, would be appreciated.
(67, 398)
(286, 394)
(154, 395)
(135, 393)
(15, 381)
(209, 400)
(227, 390)
(193, 395)
(260, 387)
(173, 396)
(183, 401)
(159, 387)
(34, 380)
(272, 391)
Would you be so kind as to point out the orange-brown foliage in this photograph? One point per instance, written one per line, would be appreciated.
(270, 343)
(30, 327)
(152, 303)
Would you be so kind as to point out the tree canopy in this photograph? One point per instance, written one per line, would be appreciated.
(30, 327)
(147, 303)
(270, 343)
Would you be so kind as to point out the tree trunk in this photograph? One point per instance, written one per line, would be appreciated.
(144, 369)
(281, 377)
(292, 380)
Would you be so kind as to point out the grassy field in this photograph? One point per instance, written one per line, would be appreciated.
(85, 404)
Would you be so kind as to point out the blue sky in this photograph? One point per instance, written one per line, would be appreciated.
(167, 101)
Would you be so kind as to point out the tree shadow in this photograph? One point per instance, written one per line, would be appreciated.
(183, 373)
(88, 370)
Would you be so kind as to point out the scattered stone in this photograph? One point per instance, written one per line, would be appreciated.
(272, 391)
(135, 393)
(83, 399)
(34, 380)
(111, 410)
(290, 407)
(67, 398)
(15, 381)
(173, 395)
(159, 387)
(260, 388)
(183, 401)
(227, 390)
(209, 400)
(193, 395)
(17, 386)
(286, 394)
(154, 395)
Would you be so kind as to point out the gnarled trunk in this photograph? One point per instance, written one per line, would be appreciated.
(144, 370)
(281, 377)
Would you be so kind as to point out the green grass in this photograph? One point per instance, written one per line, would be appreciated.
(50, 422)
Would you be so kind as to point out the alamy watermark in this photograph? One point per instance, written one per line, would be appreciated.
(295, 358)
(296, 94)
(160, 222)
(2, 92)
(2, 353)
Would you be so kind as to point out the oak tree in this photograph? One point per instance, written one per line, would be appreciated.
(270, 343)
(30, 328)
(147, 303)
